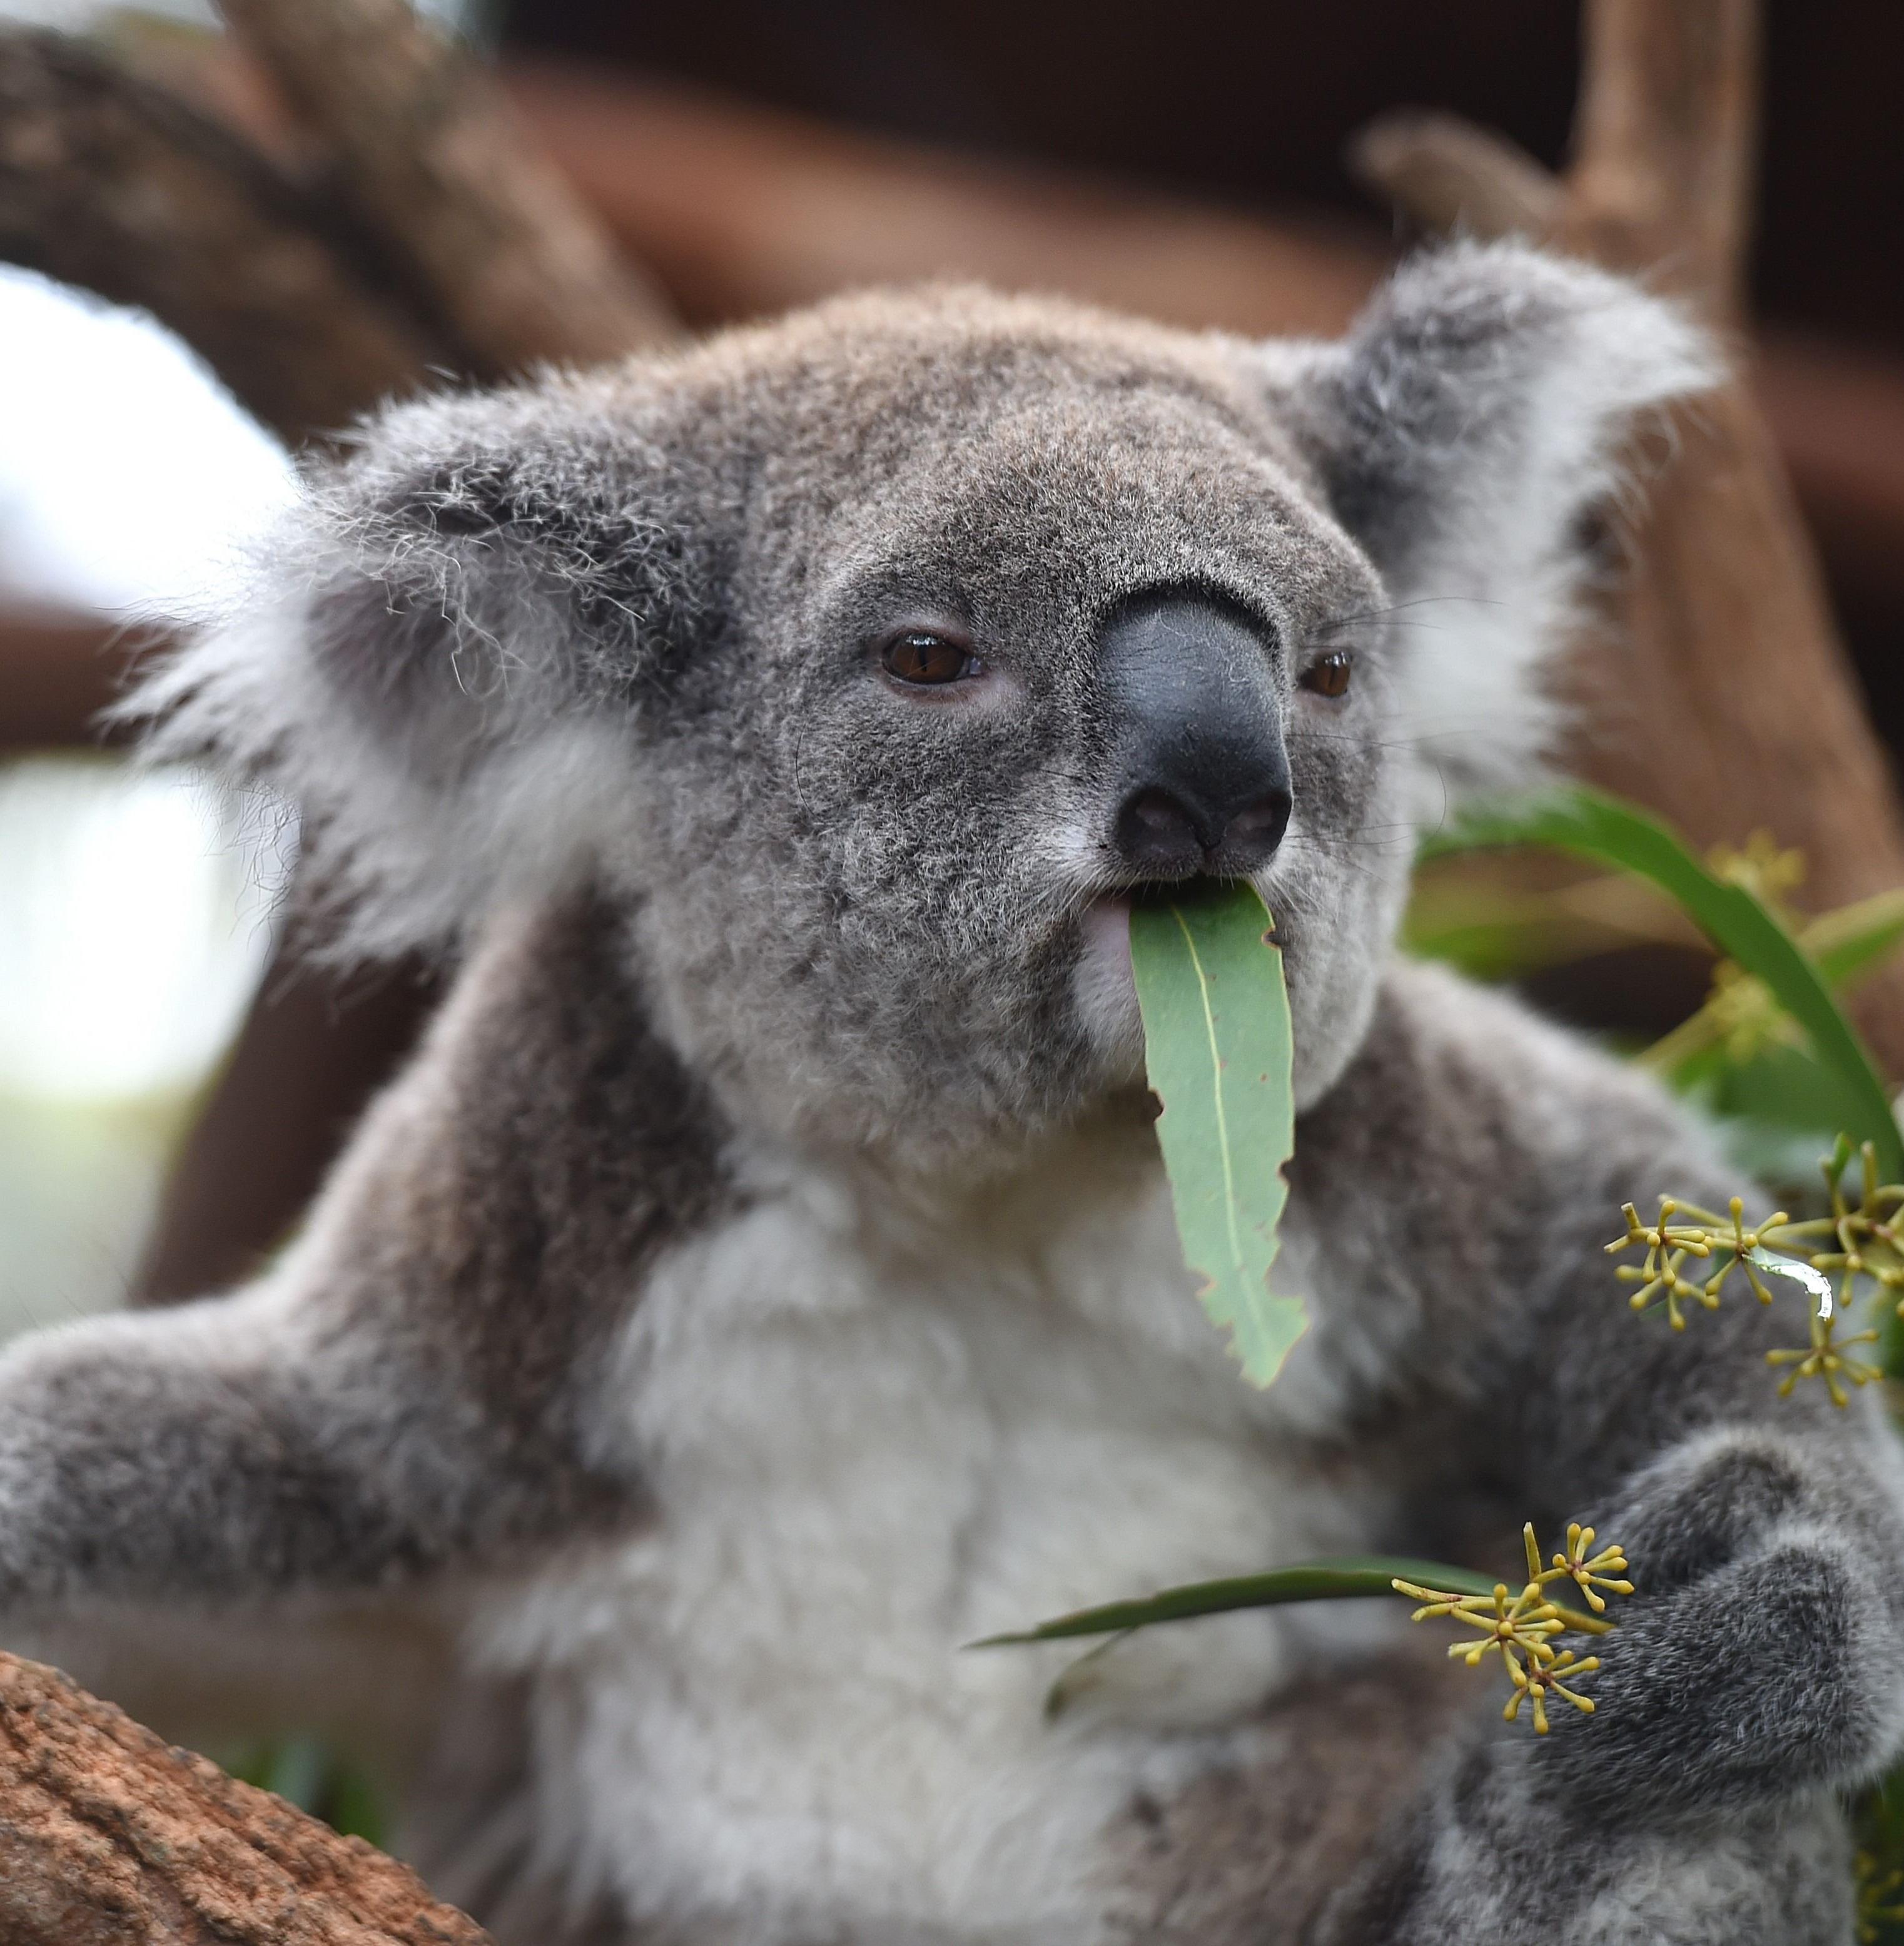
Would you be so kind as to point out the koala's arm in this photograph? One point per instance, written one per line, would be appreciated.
(1759, 1664)
(415, 1386)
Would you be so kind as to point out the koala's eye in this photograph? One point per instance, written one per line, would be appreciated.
(919, 656)
(1328, 675)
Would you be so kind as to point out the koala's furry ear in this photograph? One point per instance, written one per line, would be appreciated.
(1463, 432)
(439, 656)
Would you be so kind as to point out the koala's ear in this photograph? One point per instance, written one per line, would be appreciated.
(439, 659)
(1463, 432)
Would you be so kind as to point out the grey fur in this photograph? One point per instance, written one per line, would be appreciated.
(784, 1014)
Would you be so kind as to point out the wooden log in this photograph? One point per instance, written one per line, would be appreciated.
(109, 1837)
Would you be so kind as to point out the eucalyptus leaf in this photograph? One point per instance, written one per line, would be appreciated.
(1855, 938)
(1350, 1578)
(1843, 945)
(1217, 1047)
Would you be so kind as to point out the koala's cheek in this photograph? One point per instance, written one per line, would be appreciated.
(1335, 919)
(1105, 993)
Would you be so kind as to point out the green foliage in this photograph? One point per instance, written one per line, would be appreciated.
(1591, 825)
(1855, 938)
(1217, 1044)
(305, 1772)
(1768, 1084)
(1518, 1628)
(1878, 1826)
(1771, 1051)
(1497, 915)
(1741, 1059)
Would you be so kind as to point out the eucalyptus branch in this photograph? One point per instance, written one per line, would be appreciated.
(1859, 1240)
(1520, 1628)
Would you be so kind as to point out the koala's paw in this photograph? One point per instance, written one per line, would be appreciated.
(1490, 1855)
(1763, 1678)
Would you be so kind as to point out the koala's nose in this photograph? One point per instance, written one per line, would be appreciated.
(1203, 776)
(1172, 834)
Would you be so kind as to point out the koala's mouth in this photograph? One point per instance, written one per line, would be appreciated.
(1198, 887)
(1107, 971)
(1113, 909)
(1107, 921)
(1105, 985)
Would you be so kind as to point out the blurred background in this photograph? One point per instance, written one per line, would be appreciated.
(744, 155)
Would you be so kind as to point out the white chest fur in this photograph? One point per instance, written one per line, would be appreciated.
(868, 1448)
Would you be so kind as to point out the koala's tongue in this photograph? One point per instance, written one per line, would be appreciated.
(1107, 950)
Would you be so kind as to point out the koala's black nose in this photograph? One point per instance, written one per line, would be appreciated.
(1204, 778)
(1168, 834)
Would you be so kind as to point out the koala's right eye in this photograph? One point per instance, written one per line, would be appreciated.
(923, 657)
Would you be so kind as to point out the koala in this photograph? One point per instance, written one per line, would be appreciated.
(762, 1283)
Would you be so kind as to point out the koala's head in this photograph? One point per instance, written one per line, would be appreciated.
(872, 660)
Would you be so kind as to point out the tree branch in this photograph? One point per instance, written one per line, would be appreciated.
(60, 671)
(110, 1838)
(322, 1041)
(1450, 176)
(744, 209)
(109, 182)
(429, 157)
(1665, 145)
(112, 185)
(1720, 694)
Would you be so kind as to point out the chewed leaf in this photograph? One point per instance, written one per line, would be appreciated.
(1217, 1046)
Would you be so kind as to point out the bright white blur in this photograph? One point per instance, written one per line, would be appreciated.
(130, 931)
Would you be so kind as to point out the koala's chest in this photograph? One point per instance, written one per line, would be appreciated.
(862, 1465)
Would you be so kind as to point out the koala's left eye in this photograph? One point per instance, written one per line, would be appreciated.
(918, 655)
(1328, 675)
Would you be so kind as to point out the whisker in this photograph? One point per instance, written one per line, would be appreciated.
(1340, 621)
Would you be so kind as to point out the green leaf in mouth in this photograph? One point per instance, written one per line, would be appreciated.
(1218, 1046)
